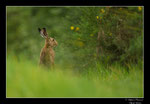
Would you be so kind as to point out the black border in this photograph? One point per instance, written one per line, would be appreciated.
(74, 2)
(3, 4)
(74, 100)
(2, 52)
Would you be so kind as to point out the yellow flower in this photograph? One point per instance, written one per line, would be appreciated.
(80, 43)
(79, 39)
(102, 10)
(110, 34)
(97, 17)
(139, 8)
(91, 35)
(120, 8)
(77, 29)
(100, 17)
(72, 28)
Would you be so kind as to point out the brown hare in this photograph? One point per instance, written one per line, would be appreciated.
(47, 54)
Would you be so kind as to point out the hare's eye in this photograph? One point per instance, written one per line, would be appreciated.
(53, 39)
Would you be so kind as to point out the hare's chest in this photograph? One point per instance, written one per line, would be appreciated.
(49, 53)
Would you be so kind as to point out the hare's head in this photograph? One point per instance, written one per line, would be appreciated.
(50, 42)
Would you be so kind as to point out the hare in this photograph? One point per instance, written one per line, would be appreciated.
(47, 54)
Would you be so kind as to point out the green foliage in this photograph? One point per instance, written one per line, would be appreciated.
(119, 27)
(25, 79)
(135, 50)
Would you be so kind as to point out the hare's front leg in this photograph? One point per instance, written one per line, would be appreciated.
(52, 62)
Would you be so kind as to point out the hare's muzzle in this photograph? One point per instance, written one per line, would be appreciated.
(56, 43)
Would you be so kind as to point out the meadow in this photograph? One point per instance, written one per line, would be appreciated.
(26, 79)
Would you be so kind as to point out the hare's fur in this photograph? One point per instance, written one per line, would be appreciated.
(47, 54)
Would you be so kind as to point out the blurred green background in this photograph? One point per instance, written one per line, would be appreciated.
(93, 42)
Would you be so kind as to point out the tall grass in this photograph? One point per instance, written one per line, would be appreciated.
(26, 79)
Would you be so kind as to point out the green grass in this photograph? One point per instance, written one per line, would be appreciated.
(26, 79)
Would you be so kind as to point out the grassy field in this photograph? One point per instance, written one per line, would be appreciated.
(26, 79)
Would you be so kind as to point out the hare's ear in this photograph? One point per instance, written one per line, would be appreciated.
(43, 32)
(39, 29)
